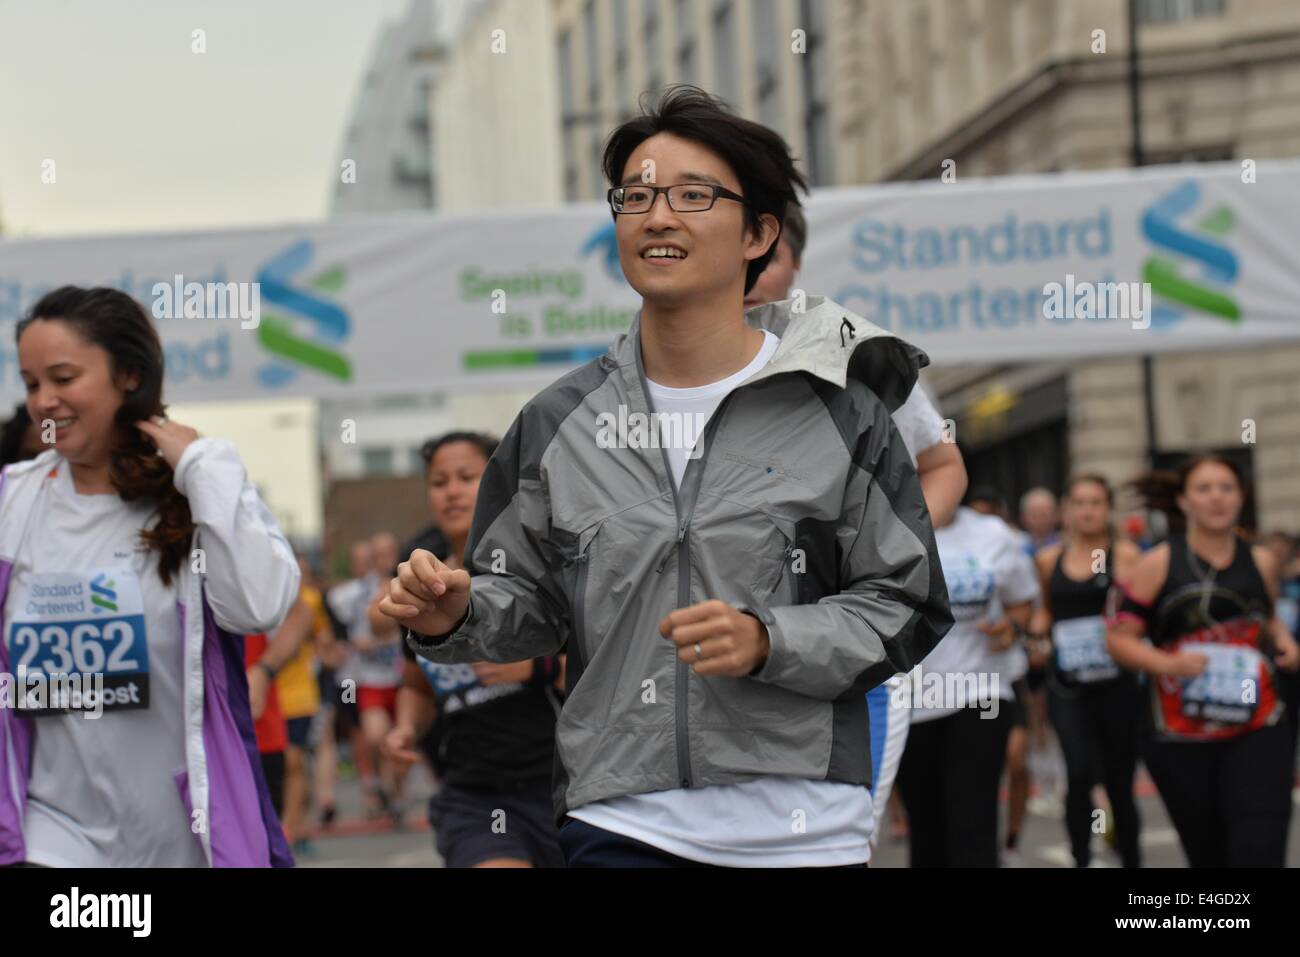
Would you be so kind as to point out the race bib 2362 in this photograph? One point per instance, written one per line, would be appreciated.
(77, 641)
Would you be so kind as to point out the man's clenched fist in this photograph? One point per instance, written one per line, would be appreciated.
(717, 640)
(427, 596)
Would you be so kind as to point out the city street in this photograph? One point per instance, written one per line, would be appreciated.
(355, 843)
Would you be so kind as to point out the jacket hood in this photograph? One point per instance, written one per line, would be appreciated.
(824, 339)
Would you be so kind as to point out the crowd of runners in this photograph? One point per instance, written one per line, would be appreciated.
(795, 637)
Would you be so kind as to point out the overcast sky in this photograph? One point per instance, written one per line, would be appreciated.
(147, 135)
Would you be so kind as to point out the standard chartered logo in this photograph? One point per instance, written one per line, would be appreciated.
(303, 328)
(102, 595)
(1185, 240)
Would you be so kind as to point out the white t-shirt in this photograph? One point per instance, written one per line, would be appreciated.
(350, 601)
(918, 422)
(749, 824)
(985, 570)
(86, 598)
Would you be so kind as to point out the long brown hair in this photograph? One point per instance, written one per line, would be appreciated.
(117, 324)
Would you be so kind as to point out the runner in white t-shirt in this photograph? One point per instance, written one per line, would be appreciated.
(373, 667)
(961, 697)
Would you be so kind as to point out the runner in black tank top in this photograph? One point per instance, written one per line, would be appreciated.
(1079, 663)
(497, 742)
(1223, 613)
(1218, 744)
(1092, 702)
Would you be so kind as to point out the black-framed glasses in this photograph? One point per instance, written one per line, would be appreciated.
(682, 197)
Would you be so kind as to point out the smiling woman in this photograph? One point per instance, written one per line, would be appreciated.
(180, 559)
(91, 362)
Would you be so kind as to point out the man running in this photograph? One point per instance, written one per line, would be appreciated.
(719, 519)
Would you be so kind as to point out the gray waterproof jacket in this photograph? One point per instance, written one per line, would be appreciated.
(803, 509)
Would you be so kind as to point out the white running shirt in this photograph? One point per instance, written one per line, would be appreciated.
(350, 602)
(985, 570)
(918, 421)
(86, 598)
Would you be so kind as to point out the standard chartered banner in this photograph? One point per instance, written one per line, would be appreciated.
(1160, 259)
(1020, 268)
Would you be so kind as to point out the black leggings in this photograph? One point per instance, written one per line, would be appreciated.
(1099, 729)
(1229, 800)
(948, 780)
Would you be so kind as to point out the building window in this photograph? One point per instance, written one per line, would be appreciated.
(816, 92)
(1170, 11)
(593, 57)
(922, 59)
(685, 20)
(417, 462)
(620, 56)
(564, 53)
(653, 48)
(766, 51)
(412, 167)
(376, 462)
(1193, 154)
(598, 187)
(724, 51)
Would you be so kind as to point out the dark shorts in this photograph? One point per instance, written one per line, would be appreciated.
(471, 826)
(329, 691)
(273, 769)
(1036, 678)
(1020, 708)
(347, 719)
(299, 731)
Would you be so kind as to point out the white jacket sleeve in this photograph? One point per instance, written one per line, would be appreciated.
(249, 572)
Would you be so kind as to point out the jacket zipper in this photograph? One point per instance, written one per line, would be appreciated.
(683, 548)
(780, 575)
(580, 603)
(681, 534)
(683, 668)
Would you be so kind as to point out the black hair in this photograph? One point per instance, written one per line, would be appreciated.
(1092, 478)
(986, 493)
(758, 156)
(480, 440)
(795, 231)
(116, 323)
(12, 435)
